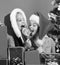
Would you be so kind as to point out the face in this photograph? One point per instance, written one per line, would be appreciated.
(33, 27)
(20, 20)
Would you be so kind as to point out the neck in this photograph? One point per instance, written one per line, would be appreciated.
(38, 41)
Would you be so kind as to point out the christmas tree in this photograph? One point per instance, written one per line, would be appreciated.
(54, 17)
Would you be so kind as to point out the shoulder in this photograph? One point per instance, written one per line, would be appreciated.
(7, 19)
(9, 37)
(49, 27)
(7, 16)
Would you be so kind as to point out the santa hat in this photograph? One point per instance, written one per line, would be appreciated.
(35, 18)
(14, 23)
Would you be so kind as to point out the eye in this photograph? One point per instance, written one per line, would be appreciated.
(29, 26)
(20, 20)
(34, 25)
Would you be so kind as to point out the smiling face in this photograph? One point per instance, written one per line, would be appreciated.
(33, 25)
(20, 20)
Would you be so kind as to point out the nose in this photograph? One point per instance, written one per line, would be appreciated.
(31, 28)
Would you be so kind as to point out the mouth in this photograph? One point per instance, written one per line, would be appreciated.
(30, 34)
(31, 30)
(22, 25)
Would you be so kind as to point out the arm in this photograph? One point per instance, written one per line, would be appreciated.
(28, 43)
(10, 41)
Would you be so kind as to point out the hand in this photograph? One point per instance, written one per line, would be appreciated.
(28, 43)
(40, 49)
(39, 42)
(26, 32)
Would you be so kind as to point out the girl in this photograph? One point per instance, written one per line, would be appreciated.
(15, 23)
(35, 29)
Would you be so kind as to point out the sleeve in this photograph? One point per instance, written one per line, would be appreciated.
(47, 45)
(53, 46)
(10, 41)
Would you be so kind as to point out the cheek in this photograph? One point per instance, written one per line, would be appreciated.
(19, 25)
(31, 28)
(18, 18)
(35, 28)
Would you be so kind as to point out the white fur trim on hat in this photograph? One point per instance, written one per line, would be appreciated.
(35, 18)
(14, 23)
(59, 7)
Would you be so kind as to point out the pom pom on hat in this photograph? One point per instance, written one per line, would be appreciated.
(35, 18)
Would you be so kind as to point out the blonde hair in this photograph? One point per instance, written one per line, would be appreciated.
(14, 23)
